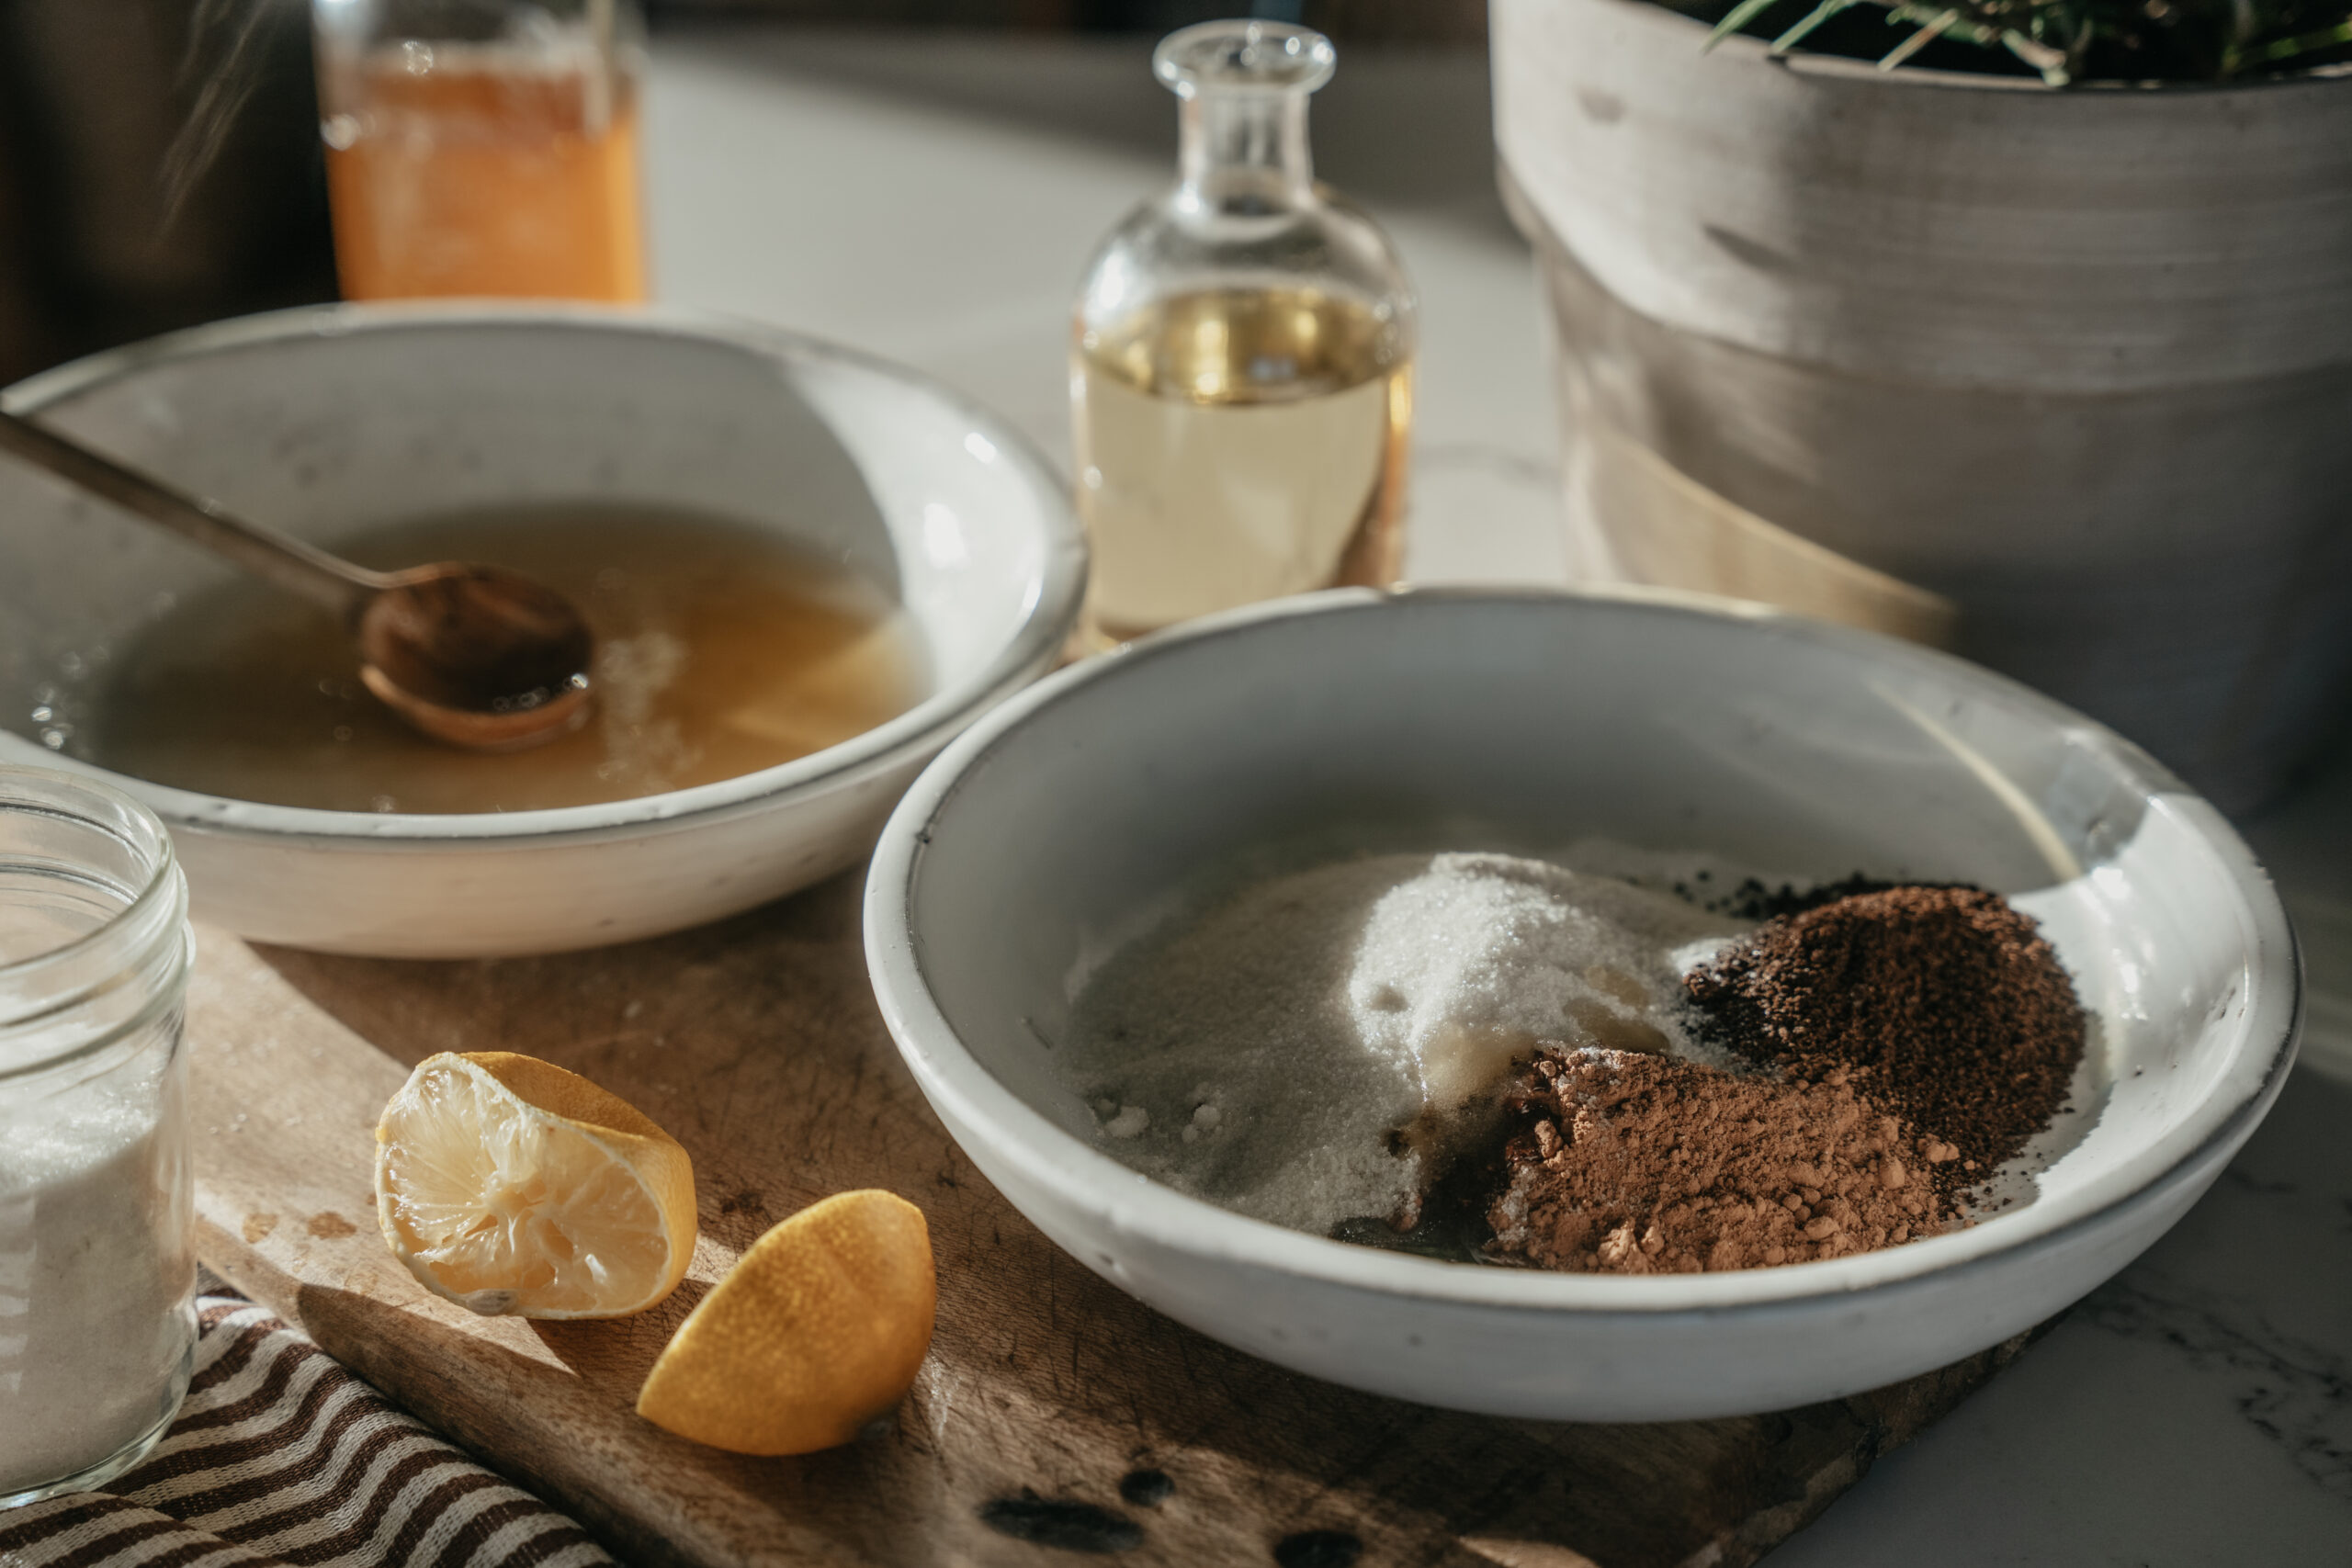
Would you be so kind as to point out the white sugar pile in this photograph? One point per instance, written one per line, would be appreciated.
(1271, 1052)
(1472, 961)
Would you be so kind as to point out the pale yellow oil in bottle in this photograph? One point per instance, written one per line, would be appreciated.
(1239, 444)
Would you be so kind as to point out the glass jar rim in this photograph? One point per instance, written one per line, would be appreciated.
(1250, 56)
(151, 911)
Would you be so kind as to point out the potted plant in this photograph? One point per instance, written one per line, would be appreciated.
(2051, 369)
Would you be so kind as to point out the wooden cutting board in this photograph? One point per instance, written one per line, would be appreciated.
(1056, 1418)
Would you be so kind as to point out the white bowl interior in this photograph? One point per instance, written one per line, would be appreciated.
(1073, 816)
(331, 422)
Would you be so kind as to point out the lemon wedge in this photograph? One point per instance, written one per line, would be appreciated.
(510, 1185)
(816, 1333)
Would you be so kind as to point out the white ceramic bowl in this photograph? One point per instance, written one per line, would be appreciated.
(1444, 719)
(327, 421)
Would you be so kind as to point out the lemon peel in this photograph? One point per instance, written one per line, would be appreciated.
(814, 1335)
(511, 1186)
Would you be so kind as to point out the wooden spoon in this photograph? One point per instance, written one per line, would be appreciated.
(475, 656)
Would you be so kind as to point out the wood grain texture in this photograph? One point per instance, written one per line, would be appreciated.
(1050, 1400)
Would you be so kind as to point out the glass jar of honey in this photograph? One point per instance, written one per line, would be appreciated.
(482, 147)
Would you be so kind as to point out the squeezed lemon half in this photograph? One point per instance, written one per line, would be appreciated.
(816, 1333)
(510, 1185)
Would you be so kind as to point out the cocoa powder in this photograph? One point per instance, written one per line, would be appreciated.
(1636, 1164)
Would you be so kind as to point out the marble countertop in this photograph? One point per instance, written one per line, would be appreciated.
(934, 198)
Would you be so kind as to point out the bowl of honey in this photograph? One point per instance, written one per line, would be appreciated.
(806, 570)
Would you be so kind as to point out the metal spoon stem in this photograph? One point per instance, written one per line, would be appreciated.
(472, 655)
(291, 564)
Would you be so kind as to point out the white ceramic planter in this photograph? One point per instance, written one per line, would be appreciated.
(1050, 830)
(2054, 378)
(330, 420)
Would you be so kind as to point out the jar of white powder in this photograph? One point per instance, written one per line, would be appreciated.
(98, 1330)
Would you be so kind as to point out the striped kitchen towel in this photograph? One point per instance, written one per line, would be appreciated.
(281, 1456)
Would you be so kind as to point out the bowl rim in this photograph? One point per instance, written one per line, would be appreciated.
(1051, 596)
(1127, 1200)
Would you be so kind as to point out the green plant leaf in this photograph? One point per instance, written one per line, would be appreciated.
(1822, 13)
(1926, 34)
(2050, 61)
(1741, 14)
(2287, 48)
(2066, 42)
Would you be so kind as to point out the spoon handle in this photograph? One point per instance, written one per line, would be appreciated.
(291, 564)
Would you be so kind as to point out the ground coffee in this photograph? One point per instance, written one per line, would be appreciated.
(1950, 1000)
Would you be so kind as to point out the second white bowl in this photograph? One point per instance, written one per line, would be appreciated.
(1446, 720)
(327, 421)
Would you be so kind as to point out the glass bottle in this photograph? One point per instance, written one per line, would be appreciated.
(97, 1265)
(482, 147)
(1241, 377)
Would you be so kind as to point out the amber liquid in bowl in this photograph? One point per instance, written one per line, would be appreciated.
(721, 649)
